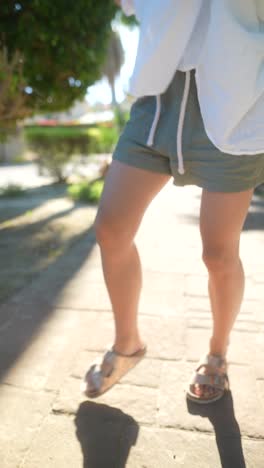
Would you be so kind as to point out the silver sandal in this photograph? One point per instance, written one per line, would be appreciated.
(103, 374)
(216, 378)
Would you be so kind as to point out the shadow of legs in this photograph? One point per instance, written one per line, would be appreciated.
(106, 435)
(227, 432)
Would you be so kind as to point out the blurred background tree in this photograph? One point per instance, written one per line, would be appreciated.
(50, 52)
(111, 68)
(114, 60)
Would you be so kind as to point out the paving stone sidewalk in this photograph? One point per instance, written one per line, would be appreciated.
(50, 331)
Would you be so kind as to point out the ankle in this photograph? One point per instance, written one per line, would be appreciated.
(128, 345)
(217, 347)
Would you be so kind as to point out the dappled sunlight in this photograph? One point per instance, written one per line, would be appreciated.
(29, 357)
(33, 198)
(34, 240)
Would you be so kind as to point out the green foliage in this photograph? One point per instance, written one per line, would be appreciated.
(38, 131)
(61, 46)
(121, 117)
(55, 146)
(130, 21)
(102, 138)
(99, 138)
(86, 191)
(11, 191)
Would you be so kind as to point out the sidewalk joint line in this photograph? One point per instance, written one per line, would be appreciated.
(30, 389)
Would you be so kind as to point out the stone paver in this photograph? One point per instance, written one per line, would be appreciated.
(51, 331)
(175, 448)
(22, 413)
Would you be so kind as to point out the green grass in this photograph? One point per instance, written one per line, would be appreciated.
(86, 191)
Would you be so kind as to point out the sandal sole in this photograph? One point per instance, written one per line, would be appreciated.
(128, 364)
(203, 401)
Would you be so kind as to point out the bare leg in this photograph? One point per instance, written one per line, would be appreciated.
(221, 221)
(127, 193)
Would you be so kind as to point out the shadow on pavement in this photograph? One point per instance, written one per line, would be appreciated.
(28, 245)
(106, 435)
(21, 321)
(227, 432)
(33, 198)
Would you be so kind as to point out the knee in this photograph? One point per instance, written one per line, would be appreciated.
(220, 260)
(109, 235)
(104, 232)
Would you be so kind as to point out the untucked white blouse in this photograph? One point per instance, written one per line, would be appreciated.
(223, 40)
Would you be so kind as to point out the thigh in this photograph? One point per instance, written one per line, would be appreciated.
(127, 193)
(222, 217)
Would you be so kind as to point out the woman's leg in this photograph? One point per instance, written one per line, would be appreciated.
(221, 221)
(127, 193)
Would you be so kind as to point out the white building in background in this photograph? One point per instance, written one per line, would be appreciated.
(80, 113)
(13, 149)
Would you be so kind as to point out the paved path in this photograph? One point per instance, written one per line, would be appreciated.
(28, 175)
(50, 331)
(25, 174)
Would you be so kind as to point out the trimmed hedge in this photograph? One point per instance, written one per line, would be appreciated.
(12, 191)
(55, 146)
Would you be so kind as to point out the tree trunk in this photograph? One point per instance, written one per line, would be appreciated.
(114, 101)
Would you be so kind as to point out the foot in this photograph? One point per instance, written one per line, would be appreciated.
(103, 374)
(209, 380)
(207, 391)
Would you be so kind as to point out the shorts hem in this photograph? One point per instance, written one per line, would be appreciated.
(215, 187)
(141, 162)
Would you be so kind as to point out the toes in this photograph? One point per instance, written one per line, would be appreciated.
(204, 391)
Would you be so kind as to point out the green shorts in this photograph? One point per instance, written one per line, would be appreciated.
(204, 164)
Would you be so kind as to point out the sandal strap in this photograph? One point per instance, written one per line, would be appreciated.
(212, 360)
(94, 377)
(110, 362)
(215, 380)
(100, 369)
(216, 376)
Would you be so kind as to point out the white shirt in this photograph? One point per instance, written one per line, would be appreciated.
(192, 52)
(224, 41)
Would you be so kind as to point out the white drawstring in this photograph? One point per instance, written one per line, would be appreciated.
(180, 123)
(155, 122)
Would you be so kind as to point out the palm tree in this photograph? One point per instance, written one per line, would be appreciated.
(113, 63)
(111, 69)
